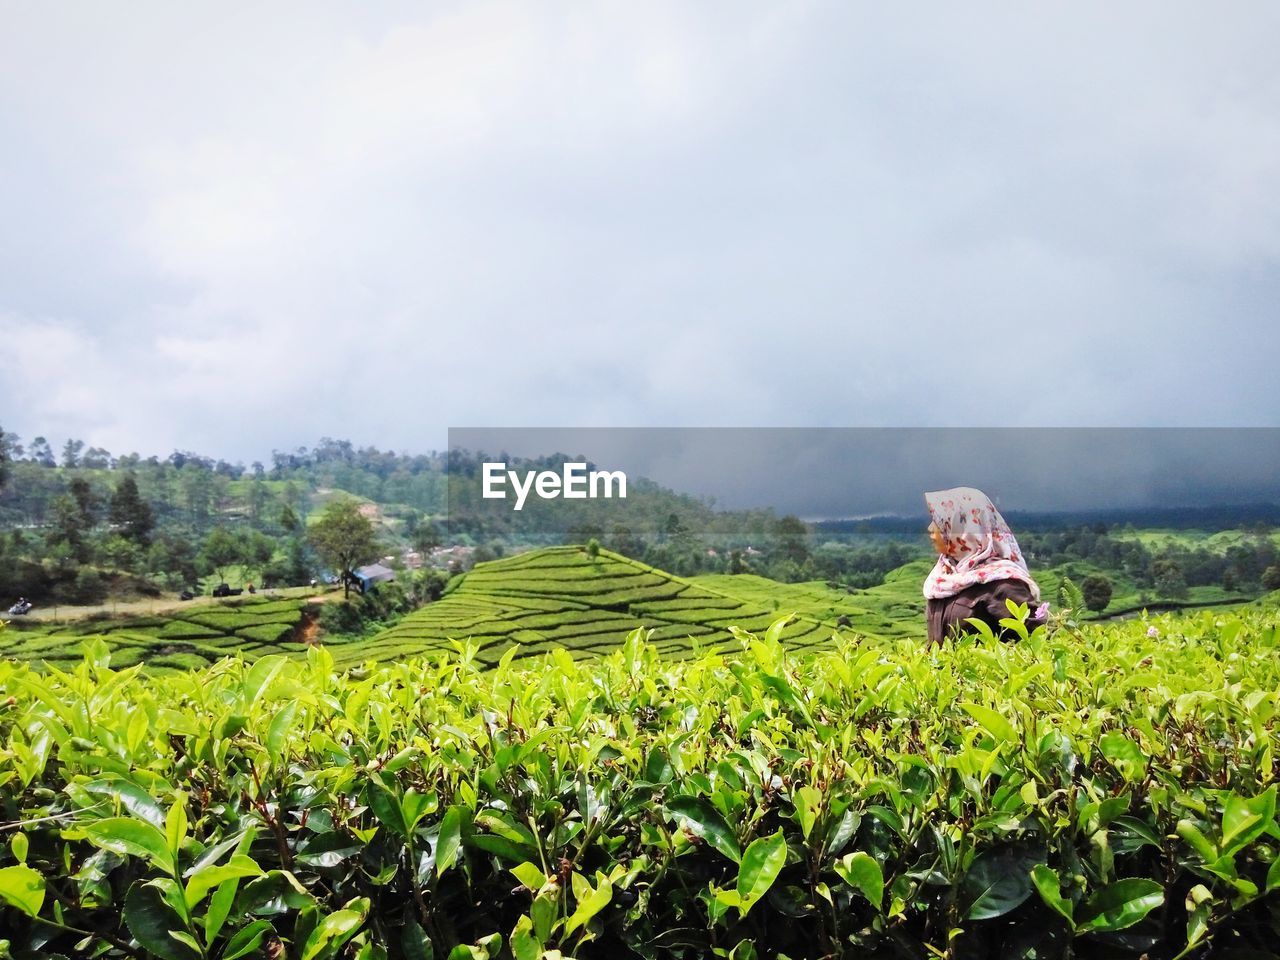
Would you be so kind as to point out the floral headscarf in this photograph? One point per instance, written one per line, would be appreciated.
(982, 545)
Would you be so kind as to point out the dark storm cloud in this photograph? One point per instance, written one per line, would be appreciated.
(851, 472)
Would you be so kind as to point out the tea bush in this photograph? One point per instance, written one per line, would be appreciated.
(1096, 792)
(211, 630)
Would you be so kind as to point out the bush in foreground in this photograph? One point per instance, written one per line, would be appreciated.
(1103, 793)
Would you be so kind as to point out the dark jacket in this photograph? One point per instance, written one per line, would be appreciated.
(982, 601)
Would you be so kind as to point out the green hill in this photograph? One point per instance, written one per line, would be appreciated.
(561, 596)
(554, 597)
(895, 608)
(185, 639)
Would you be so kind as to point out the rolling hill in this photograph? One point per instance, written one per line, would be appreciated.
(183, 639)
(537, 601)
(554, 597)
(561, 596)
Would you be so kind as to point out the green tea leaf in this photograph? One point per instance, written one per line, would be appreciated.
(278, 732)
(1046, 881)
(205, 879)
(259, 677)
(706, 822)
(992, 721)
(862, 872)
(761, 863)
(589, 905)
(335, 930)
(387, 808)
(1243, 821)
(23, 888)
(524, 945)
(1119, 905)
(247, 940)
(450, 839)
(530, 875)
(1125, 754)
(414, 942)
(134, 838)
(997, 882)
(150, 918)
(808, 803)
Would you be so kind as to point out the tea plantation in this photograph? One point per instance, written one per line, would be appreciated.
(562, 597)
(529, 603)
(186, 639)
(1088, 791)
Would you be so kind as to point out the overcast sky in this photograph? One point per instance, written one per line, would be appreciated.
(236, 227)
(824, 472)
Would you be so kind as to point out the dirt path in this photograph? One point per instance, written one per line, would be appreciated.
(308, 631)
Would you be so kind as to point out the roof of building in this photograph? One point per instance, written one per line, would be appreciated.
(374, 573)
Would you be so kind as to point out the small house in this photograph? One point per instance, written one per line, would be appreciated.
(374, 573)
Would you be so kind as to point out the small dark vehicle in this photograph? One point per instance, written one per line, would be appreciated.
(224, 590)
(186, 595)
(21, 608)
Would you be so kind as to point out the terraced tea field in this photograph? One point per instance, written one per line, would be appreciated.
(555, 597)
(186, 639)
(562, 597)
(895, 608)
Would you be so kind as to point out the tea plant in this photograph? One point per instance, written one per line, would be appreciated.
(1098, 791)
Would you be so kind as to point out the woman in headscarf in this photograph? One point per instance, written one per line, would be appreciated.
(979, 566)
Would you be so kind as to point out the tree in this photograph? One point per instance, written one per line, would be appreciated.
(1271, 578)
(130, 513)
(173, 559)
(622, 540)
(66, 526)
(40, 452)
(1231, 579)
(1097, 592)
(344, 538)
(6, 442)
(257, 498)
(197, 489)
(71, 453)
(426, 537)
(221, 550)
(289, 522)
(1169, 580)
(86, 502)
(290, 569)
(793, 539)
(96, 458)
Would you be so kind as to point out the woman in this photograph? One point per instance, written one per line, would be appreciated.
(979, 566)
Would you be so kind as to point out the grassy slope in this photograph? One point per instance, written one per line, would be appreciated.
(556, 596)
(560, 596)
(1157, 538)
(896, 606)
(192, 636)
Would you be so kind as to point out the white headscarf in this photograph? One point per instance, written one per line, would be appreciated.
(983, 547)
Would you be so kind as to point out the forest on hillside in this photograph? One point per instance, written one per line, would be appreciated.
(81, 524)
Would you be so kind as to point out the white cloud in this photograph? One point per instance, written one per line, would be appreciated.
(245, 220)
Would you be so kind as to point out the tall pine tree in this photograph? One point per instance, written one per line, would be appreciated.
(130, 513)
